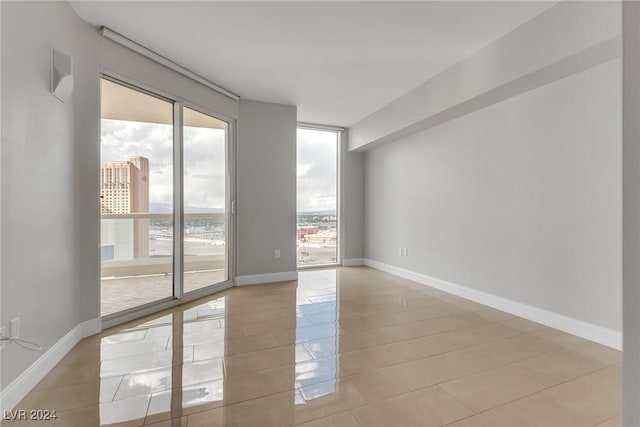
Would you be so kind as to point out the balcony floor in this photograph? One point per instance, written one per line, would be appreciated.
(128, 292)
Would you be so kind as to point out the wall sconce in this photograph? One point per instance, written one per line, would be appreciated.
(61, 75)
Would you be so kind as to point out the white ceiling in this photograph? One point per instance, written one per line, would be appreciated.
(337, 61)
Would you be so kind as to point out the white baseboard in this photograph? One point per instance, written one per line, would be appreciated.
(353, 262)
(605, 336)
(11, 395)
(256, 279)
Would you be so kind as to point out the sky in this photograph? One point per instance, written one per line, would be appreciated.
(204, 161)
(317, 167)
(203, 155)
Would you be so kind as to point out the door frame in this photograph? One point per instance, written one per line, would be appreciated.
(339, 131)
(179, 296)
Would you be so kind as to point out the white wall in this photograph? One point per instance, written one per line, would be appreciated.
(564, 39)
(631, 214)
(266, 188)
(521, 199)
(50, 236)
(352, 242)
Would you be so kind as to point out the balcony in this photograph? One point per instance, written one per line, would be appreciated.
(137, 256)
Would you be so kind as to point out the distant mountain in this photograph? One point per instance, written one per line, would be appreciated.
(192, 209)
(168, 208)
(160, 208)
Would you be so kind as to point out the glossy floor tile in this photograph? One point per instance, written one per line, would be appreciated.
(338, 347)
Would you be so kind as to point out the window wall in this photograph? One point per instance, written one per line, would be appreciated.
(317, 197)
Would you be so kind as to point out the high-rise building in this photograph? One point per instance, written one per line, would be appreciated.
(124, 189)
(124, 186)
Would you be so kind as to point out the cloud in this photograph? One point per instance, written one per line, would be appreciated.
(303, 169)
(204, 159)
(317, 170)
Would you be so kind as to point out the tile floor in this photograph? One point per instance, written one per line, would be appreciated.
(339, 347)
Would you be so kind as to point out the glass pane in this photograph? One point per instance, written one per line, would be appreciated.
(205, 200)
(136, 198)
(317, 235)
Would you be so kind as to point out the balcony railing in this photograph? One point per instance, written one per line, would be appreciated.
(134, 244)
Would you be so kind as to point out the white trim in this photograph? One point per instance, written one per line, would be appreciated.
(30, 377)
(605, 336)
(340, 183)
(317, 266)
(353, 262)
(255, 279)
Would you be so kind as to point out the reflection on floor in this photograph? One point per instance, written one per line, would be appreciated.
(128, 292)
(339, 347)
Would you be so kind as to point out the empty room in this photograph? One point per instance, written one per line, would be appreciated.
(320, 213)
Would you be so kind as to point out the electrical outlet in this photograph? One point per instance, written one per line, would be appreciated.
(400, 251)
(15, 328)
(276, 253)
(406, 251)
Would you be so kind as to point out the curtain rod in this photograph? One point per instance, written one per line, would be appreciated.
(148, 53)
(318, 126)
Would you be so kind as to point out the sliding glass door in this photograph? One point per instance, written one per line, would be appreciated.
(164, 199)
(205, 200)
(136, 198)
